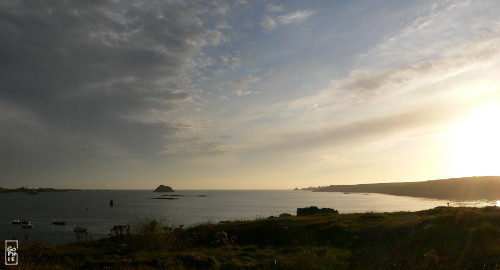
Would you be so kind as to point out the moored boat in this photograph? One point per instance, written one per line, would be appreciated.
(16, 221)
(58, 222)
(79, 229)
(28, 225)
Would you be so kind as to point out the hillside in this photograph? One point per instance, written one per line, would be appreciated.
(466, 188)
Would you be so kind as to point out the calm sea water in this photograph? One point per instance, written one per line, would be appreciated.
(91, 208)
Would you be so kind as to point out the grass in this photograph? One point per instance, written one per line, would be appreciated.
(440, 238)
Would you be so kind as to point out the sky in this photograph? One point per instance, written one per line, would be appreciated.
(247, 94)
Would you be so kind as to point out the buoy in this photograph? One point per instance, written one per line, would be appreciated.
(111, 203)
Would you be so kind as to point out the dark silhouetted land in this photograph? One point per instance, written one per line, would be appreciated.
(24, 189)
(466, 188)
(440, 238)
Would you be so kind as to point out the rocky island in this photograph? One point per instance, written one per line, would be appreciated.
(163, 188)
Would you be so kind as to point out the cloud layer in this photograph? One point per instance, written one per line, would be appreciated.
(75, 75)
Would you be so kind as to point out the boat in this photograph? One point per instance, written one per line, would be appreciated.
(27, 226)
(80, 229)
(58, 222)
(16, 221)
(25, 222)
(32, 192)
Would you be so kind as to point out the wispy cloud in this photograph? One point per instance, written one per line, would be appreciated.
(344, 99)
(268, 23)
(437, 28)
(295, 17)
(415, 58)
(243, 86)
(272, 20)
(365, 85)
(274, 8)
(426, 119)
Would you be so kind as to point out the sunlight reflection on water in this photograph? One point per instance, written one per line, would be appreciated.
(479, 204)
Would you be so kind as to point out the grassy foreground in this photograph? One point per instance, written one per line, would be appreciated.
(440, 238)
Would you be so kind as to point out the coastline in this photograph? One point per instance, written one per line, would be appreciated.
(457, 189)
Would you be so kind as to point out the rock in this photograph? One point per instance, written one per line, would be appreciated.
(165, 198)
(163, 188)
(313, 210)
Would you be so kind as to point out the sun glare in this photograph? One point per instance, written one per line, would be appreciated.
(475, 142)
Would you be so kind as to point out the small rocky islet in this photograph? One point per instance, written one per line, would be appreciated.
(163, 188)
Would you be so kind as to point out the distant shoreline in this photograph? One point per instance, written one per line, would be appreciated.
(24, 190)
(465, 188)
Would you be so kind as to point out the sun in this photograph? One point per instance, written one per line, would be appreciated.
(475, 142)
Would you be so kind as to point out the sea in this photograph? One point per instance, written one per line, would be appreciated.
(91, 209)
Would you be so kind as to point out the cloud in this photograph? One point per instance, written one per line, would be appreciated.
(352, 110)
(242, 93)
(354, 135)
(272, 21)
(222, 25)
(243, 86)
(190, 139)
(438, 27)
(295, 17)
(74, 75)
(274, 8)
(395, 90)
(268, 23)
(229, 62)
(366, 85)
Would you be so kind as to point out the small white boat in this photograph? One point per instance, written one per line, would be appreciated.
(28, 225)
(16, 221)
(79, 229)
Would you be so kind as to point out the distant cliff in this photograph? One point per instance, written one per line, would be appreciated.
(466, 188)
(163, 188)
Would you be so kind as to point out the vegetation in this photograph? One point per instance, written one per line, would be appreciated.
(466, 188)
(440, 238)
